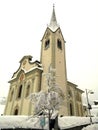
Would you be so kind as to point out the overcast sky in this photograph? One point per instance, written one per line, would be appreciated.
(23, 23)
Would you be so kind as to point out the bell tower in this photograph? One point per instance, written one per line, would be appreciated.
(53, 53)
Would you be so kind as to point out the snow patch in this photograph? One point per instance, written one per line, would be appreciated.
(34, 122)
(69, 122)
(91, 127)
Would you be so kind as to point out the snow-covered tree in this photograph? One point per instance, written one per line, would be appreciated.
(51, 99)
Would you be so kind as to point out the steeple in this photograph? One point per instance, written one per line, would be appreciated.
(53, 22)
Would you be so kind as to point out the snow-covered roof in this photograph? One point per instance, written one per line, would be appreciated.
(95, 100)
(33, 68)
(36, 67)
(26, 57)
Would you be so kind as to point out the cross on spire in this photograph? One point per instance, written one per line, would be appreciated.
(53, 5)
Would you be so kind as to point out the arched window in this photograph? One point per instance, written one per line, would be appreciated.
(59, 44)
(71, 109)
(16, 110)
(19, 92)
(69, 93)
(27, 91)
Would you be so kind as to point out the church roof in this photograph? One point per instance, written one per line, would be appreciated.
(29, 57)
(26, 66)
(53, 22)
(75, 86)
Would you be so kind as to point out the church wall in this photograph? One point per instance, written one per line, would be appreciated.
(25, 107)
(75, 98)
(46, 52)
(60, 66)
(8, 109)
(10, 99)
(30, 83)
(46, 57)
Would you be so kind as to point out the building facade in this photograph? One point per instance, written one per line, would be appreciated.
(29, 77)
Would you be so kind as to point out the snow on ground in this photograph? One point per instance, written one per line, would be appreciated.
(20, 122)
(69, 122)
(34, 122)
(91, 127)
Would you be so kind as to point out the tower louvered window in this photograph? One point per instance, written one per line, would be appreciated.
(59, 44)
(47, 44)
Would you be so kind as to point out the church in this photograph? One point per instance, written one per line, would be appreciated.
(29, 77)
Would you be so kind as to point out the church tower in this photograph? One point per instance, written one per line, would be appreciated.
(53, 54)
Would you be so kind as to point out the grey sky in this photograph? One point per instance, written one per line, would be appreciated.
(23, 23)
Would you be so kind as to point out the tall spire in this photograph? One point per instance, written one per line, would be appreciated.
(53, 22)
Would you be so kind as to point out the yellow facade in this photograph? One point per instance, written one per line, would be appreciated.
(26, 80)
(29, 77)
